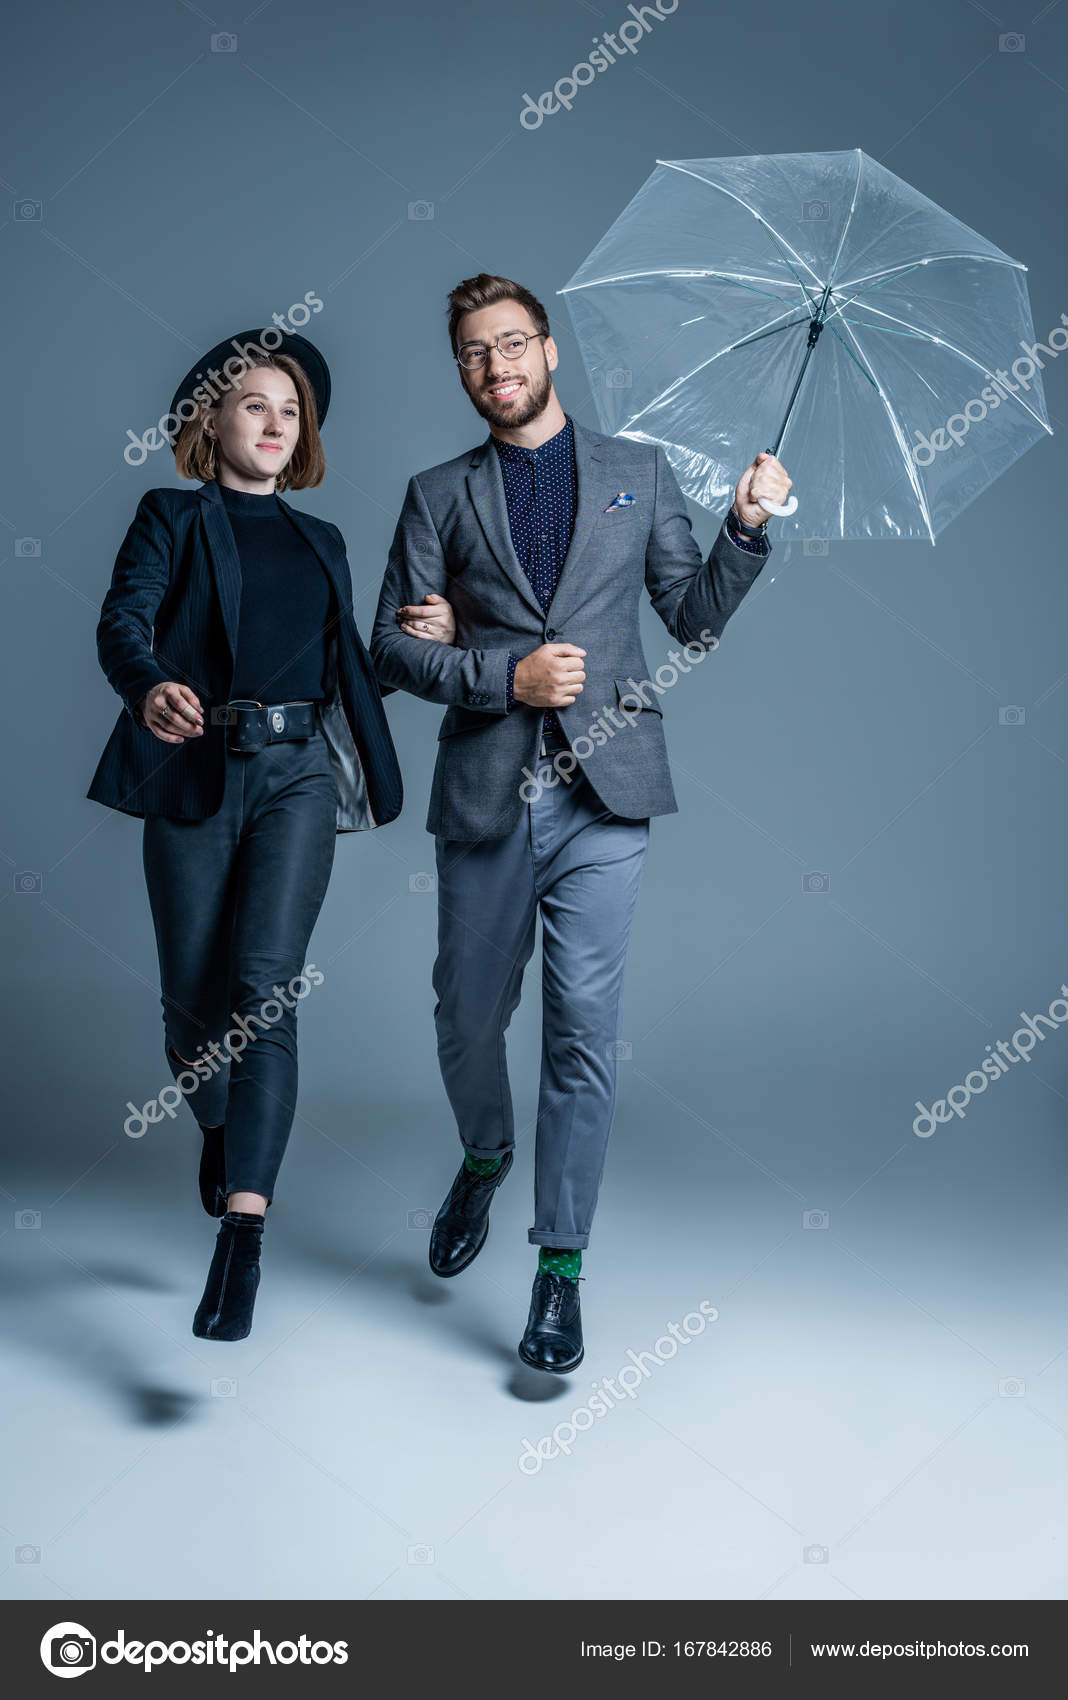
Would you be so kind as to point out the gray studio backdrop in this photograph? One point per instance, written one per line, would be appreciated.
(864, 886)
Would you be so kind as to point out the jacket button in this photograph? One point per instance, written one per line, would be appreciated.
(550, 633)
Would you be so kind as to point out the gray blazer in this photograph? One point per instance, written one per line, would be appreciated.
(453, 537)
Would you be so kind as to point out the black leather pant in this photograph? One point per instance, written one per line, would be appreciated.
(234, 899)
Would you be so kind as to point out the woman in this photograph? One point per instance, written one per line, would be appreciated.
(252, 733)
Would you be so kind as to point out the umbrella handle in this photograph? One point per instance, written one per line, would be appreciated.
(781, 510)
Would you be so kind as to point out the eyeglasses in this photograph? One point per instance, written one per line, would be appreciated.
(512, 346)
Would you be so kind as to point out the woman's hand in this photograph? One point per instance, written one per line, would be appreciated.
(172, 712)
(433, 619)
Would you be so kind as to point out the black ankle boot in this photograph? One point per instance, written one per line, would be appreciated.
(462, 1223)
(225, 1311)
(553, 1337)
(212, 1178)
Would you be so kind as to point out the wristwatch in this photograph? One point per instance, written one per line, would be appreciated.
(746, 530)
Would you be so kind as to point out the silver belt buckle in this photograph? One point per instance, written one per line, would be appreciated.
(278, 720)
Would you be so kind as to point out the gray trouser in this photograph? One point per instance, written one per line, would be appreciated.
(581, 865)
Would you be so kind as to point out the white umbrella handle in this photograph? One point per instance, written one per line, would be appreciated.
(782, 509)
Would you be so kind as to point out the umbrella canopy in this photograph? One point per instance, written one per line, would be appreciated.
(818, 306)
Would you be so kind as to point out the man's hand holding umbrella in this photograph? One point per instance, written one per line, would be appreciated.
(765, 478)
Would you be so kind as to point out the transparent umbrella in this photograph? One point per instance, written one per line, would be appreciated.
(818, 306)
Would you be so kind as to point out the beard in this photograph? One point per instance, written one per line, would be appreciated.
(522, 409)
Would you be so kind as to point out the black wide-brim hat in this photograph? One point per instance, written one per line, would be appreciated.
(209, 379)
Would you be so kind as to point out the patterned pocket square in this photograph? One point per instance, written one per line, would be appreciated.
(623, 500)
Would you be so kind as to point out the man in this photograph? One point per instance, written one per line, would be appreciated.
(551, 757)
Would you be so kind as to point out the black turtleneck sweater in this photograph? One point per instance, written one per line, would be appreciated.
(286, 600)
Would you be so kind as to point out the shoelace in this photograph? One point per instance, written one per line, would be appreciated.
(557, 1291)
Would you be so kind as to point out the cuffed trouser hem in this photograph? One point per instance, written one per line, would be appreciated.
(487, 1150)
(558, 1242)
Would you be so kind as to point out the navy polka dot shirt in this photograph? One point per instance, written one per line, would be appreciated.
(539, 488)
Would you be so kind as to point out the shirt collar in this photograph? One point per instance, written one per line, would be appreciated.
(554, 449)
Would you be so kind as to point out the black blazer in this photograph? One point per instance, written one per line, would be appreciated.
(172, 613)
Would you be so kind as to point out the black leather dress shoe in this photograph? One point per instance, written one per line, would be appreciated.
(462, 1223)
(553, 1339)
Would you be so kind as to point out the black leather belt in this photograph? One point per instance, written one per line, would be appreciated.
(250, 724)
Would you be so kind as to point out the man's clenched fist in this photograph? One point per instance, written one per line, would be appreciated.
(550, 677)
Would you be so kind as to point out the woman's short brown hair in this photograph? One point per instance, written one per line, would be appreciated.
(195, 455)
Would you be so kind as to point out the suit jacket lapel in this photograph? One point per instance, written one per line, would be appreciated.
(485, 486)
(590, 498)
(222, 552)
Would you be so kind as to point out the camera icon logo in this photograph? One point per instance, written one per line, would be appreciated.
(1011, 43)
(1011, 1388)
(224, 42)
(68, 1649)
(27, 211)
(816, 1555)
(620, 1050)
(815, 882)
(224, 1387)
(1012, 715)
(28, 548)
(27, 1218)
(420, 1555)
(815, 1218)
(814, 546)
(420, 1218)
(420, 209)
(618, 378)
(813, 209)
(27, 882)
(422, 882)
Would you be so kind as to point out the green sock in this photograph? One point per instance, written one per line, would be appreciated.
(482, 1165)
(552, 1261)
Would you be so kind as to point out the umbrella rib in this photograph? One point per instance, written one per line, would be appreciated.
(930, 260)
(852, 356)
(758, 336)
(928, 336)
(849, 220)
(673, 165)
(847, 301)
(686, 376)
(685, 271)
(885, 328)
(899, 438)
